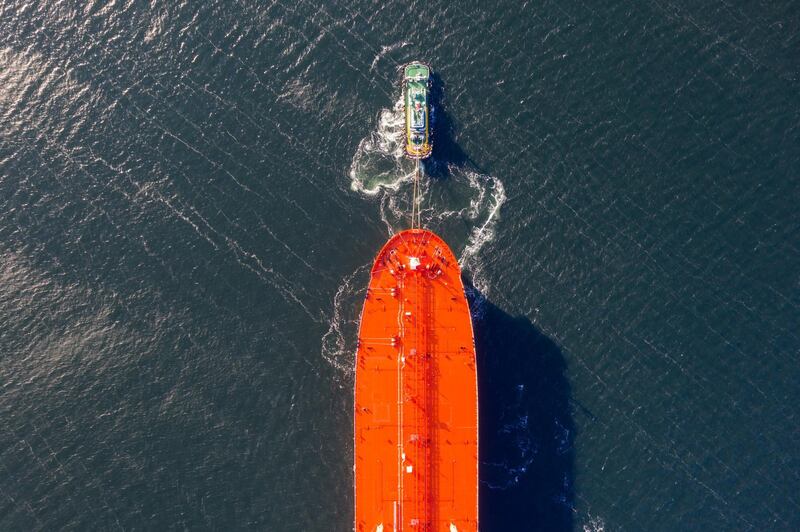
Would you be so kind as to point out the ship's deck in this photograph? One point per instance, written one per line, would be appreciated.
(416, 447)
(417, 129)
(415, 95)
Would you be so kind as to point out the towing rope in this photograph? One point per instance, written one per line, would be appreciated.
(416, 218)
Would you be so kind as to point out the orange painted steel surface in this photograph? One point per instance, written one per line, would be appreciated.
(416, 397)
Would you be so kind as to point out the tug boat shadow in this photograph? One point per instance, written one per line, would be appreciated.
(526, 426)
(447, 154)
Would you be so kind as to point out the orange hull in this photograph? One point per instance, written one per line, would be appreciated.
(416, 397)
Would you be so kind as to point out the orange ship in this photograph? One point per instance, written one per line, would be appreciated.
(416, 396)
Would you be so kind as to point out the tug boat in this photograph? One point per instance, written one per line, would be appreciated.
(416, 91)
(416, 393)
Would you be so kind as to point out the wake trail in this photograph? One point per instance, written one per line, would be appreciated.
(381, 174)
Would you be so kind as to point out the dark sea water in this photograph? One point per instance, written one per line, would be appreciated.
(191, 195)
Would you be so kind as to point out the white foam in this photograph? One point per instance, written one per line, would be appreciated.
(378, 163)
(386, 50)
(380, 171)
(485, 211)
(339, 342)
(594, 524)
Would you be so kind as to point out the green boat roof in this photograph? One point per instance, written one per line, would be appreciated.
(417, 71)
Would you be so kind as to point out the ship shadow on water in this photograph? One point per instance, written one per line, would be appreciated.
(526, 426)
(447, 154)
